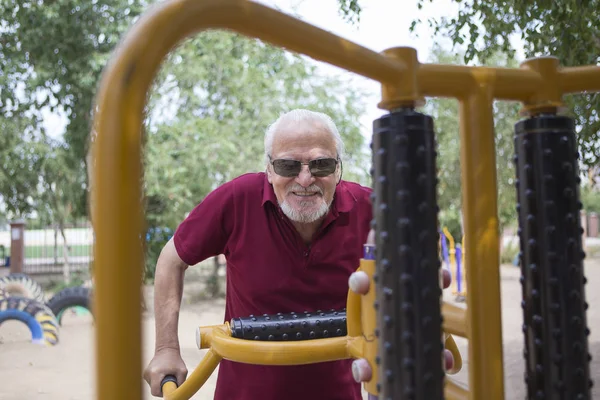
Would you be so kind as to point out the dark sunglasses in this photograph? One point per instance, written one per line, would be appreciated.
(319, 168)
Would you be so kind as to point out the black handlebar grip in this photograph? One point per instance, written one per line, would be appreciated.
(291, 326)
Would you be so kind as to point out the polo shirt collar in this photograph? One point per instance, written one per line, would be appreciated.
(343, 200)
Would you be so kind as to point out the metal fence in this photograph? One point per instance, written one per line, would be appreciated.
(48, 251)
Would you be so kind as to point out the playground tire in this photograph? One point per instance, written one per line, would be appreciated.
(76, 296)
(39, 319)
(552, 275)
(22, 285)
(407, 274)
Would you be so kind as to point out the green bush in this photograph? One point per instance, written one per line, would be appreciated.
(450, 219)
(591, 199)
(156, 239)
(77, 279)
(509, 252)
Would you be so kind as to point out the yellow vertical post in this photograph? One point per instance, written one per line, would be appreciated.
(452, 256)
(463, 275)
(117, 215)
(478, 176)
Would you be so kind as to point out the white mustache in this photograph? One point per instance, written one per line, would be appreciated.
(300, 189)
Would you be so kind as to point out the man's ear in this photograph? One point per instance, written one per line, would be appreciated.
(339, 172)
(269, 174)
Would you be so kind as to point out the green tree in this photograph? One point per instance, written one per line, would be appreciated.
(350, 10)
(21, 156)
(566, 29)
(51, 55)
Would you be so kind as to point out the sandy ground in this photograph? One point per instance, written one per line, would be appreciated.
(65, 372)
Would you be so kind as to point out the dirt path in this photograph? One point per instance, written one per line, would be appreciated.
(66, 371)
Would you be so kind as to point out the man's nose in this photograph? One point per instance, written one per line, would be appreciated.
(305, 178)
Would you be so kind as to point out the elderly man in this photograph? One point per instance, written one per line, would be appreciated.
(293, 237)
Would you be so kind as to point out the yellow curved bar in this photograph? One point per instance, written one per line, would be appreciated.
(196, 379)
(456, 81)
(455, 391)
(353, 310)
(579, 79)
(455, 319)
(369, 326)
(168, 389)
(451, 346)
(279, 353)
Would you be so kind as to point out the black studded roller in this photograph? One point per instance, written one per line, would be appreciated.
(290, 326)
(552, 277)
(408, 286)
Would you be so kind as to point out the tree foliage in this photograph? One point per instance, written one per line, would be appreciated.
(21, 156)
(568, 30)
(51, 55)
(350, 10)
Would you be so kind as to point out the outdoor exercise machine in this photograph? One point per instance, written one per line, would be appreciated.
(402, 336)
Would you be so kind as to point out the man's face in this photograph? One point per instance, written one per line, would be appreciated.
(304, 197)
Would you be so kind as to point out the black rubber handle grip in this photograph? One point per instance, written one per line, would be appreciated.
(291, 326)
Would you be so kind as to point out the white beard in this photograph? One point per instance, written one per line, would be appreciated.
(304, 217)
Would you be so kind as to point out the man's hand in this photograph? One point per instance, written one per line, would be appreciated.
(359, 283)
(165, 362)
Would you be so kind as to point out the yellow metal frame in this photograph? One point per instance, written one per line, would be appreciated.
(117, 174)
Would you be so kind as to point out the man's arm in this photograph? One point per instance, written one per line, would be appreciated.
(168, 291)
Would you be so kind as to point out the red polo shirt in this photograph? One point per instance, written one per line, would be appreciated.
(271, 270)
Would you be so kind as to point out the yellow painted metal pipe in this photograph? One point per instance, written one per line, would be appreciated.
(451, 346)
(455, 391)
(456, 81)
(279, 353)
(197, 378)
(353, 310)
(579, 79)
(479, 193)
(455, 320)
(368, 321)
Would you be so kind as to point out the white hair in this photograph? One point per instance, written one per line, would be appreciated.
(302, 115)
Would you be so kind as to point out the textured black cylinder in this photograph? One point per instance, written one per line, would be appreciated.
(408, 286)
(291, 326)
(554, 307)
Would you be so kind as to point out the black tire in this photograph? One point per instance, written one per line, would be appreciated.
(40, 320)
(22, 285)
(408, 267)
(76, 296)
(554, 307)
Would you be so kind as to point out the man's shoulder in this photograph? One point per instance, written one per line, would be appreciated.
(357, 190)
(248, 187)
(251, 182)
